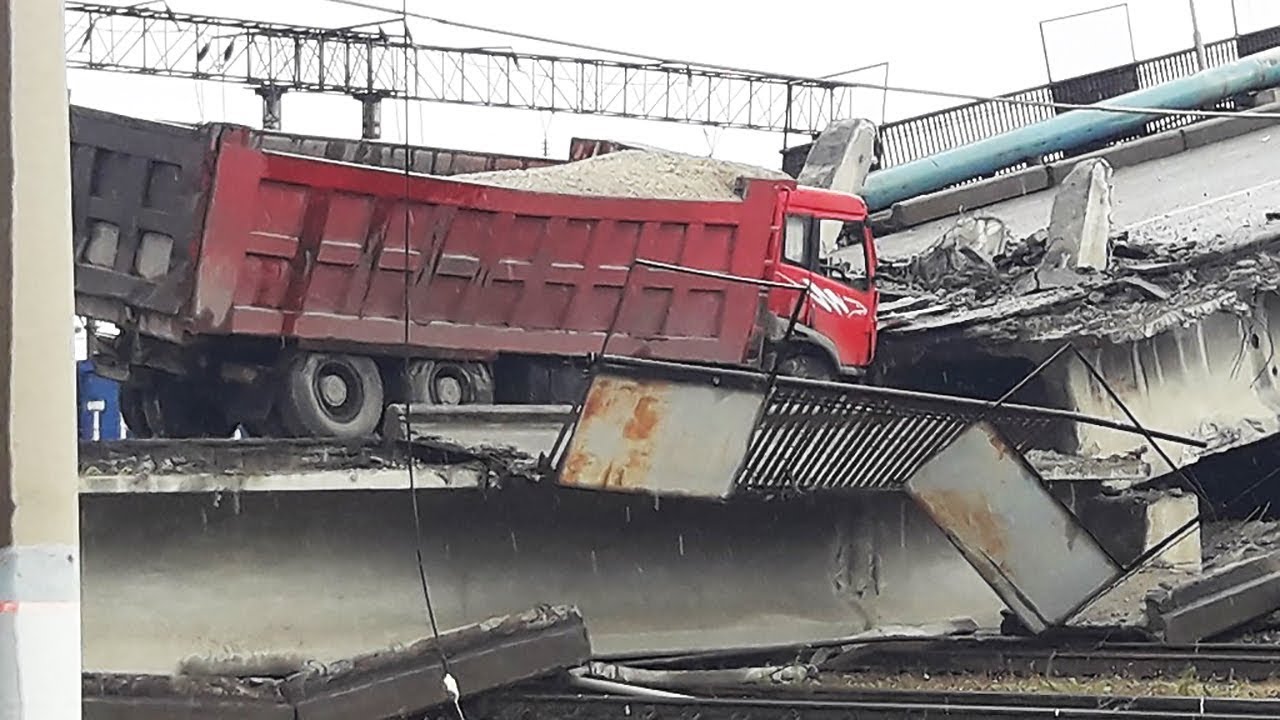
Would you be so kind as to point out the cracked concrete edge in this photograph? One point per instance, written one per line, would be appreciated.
(934, 206)
(465, 477)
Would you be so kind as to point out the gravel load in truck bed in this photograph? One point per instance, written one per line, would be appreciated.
(633, 174)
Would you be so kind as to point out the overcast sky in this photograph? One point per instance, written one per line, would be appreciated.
(972, 46)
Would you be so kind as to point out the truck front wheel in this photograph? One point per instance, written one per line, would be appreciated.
(807, 363)
(331, 395)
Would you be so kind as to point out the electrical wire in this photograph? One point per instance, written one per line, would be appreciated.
(450, 683)
(821, 82)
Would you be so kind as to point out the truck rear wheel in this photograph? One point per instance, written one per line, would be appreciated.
(331, 395)
(131, 409)
(165, 406)
(441, 382)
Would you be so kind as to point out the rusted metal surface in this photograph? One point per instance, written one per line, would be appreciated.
(804, 435)
(394, 683)
(662, 436)
(1026, 544)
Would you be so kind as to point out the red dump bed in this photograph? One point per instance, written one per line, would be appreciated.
(313, 250)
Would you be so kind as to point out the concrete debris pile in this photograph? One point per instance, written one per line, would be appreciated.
(976, 260)
(1146, 289)
(633, 174)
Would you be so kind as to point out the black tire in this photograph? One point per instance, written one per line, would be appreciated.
(807, 363)
(437, 382)
(131, 409)
(180, 408)
(330, 395)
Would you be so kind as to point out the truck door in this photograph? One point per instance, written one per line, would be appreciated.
(842, 299)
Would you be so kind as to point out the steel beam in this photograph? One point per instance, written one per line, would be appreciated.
(151, 40)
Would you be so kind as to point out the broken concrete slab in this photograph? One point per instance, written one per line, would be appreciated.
(1079, 226)
(1216, 602)
(391, 683)
(1130, 523)
(841, 157)
(481, 657)
(158, 697)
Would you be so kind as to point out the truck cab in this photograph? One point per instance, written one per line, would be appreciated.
(835, 334)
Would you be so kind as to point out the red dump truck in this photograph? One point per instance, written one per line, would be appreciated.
(267, 290)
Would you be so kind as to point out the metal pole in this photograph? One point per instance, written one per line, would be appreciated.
(1235, 20)
(39, 512)
(1044, 47)
(1202, 60)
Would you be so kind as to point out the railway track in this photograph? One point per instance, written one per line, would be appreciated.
(1140, 660)
(1001, 655)
(882, 705)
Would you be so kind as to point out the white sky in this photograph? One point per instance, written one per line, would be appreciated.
(972, 46)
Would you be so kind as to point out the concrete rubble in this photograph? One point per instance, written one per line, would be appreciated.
(1220, 600)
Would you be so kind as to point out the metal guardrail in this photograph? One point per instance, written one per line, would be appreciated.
(903, 141)
(758, 433)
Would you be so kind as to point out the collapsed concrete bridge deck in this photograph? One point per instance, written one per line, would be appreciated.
(308, 548)
(1178, 317)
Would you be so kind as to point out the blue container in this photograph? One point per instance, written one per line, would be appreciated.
(97, 405)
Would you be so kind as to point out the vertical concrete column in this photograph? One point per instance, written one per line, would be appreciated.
(370, 116)
(39, 533)
(272, 99)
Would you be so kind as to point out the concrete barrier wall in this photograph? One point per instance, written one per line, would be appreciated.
(330, 574)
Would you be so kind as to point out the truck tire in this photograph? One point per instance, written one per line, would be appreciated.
(810, 363)
(131, 409)
(331, 395)
(441, 382)
(180, 408)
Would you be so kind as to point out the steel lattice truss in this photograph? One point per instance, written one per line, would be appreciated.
(362, 63)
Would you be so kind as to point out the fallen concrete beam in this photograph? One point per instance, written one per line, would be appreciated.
(392, 683)
(1216, 602)
(481, 657)
(162, 697)
(1079, 226)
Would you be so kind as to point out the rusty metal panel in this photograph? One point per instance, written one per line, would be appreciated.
(830, 436)
(1025, 543)
(662, 435)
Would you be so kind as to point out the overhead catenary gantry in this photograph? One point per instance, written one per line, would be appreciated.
(371, 66)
